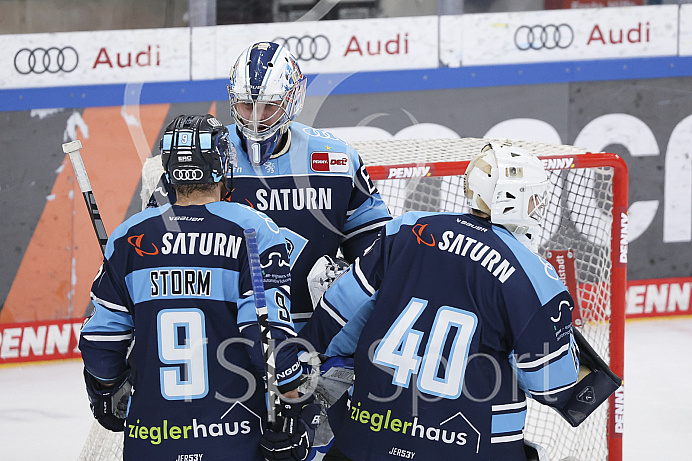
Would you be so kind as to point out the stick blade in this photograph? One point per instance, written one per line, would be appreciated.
(71, 146)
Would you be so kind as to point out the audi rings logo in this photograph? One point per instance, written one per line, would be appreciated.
(307, 47)
(187, 174)
(543, 37)
(41, 60)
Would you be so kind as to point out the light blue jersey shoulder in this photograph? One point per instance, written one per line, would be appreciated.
(312, 152)
(543, 276)
(268, 233)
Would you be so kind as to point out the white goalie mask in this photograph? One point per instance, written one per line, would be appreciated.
(510, 185)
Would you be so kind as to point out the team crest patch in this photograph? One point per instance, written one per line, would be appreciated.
(335, 162)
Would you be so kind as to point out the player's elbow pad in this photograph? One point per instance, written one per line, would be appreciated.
(592, 390)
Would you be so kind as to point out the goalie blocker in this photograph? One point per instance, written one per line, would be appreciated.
(592, 388)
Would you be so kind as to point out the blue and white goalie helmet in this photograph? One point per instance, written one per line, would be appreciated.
(510, 185)
(266, 92)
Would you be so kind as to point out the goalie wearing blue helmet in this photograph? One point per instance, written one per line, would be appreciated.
(311, 183)
(171, 352)
(453, 321)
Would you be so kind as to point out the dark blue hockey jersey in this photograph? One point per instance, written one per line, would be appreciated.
(320, 194)
(451, 321)
(175, 287)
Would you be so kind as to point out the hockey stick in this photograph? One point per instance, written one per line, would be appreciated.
(263, 321)
(100, 440)
(72, 149)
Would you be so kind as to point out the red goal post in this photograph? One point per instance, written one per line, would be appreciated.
(586, 218)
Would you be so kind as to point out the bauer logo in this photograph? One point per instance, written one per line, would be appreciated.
(334, 162)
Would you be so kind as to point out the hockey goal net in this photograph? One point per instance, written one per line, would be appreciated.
(585, 225)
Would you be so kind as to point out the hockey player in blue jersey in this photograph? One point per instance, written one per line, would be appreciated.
(311, 183)
(171, 351)
(452, 322)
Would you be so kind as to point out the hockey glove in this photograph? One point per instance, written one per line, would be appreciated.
(593, 389)
(109, 404)
(293, 440)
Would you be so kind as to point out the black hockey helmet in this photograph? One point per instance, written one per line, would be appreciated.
(196, 149)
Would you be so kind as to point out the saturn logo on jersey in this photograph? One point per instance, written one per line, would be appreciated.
(136, 241)
(418, 232)
(334, 162)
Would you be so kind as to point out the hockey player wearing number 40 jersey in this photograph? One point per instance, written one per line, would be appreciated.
(452, 321)
(175, 288)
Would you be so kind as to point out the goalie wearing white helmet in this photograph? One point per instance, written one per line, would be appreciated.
(508, 185)
(453, 324)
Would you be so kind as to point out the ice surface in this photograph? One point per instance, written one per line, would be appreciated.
(44, 412)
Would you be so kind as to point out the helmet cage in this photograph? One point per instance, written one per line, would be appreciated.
(266, 92)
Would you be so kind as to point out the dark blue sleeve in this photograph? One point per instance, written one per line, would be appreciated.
(545, 356)
(344, 308)
(367, 215)
(107, 333)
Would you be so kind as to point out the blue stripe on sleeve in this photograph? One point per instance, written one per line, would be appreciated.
(508, 422)
(344, 343)
(555, 375)
(107, 321)
(346, 293)
(372, 209)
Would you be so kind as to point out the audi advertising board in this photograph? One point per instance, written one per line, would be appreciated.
(323, 46)
(685, 34)
(558, 35)
(88, 58)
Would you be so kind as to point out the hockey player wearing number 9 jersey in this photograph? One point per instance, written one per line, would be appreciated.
(452, 321)
(175, 288)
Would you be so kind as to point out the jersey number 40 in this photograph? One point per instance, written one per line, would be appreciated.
(437, 375)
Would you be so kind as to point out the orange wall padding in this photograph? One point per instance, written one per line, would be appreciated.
(55, 275)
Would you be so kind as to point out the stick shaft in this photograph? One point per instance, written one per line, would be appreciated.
(72, 149)
(263, 321)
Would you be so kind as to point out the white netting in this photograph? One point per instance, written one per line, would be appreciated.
(102, 445)
(579, 218)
